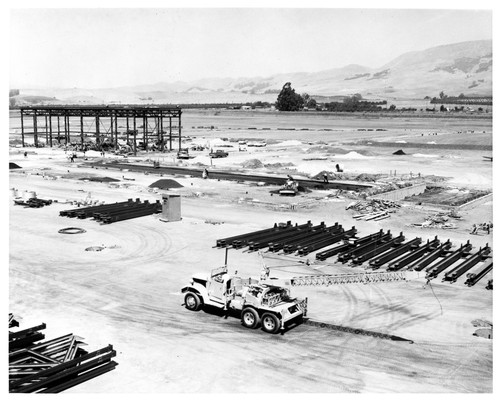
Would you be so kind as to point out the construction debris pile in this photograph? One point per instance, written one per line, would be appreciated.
(373, 209)
(52, 366)
(109, 213)
(439, 220)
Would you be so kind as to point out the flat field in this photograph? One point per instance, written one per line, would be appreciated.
(129, 295)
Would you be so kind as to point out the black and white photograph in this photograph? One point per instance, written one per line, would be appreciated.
(263, 199)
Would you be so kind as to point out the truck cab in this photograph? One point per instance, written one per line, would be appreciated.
(258, 304)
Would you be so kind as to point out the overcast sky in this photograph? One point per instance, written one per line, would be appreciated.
(100, 48)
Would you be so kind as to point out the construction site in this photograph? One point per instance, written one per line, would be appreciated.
(249, 251)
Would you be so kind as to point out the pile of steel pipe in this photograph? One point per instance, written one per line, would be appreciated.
(54, 365)
(437, 268)
(469, 263)
(109, 213)
(473, 278)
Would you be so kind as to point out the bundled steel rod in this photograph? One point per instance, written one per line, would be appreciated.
(469, 263)
(416, 254)
(390, 255)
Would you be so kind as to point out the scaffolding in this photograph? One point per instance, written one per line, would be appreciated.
(145, 126)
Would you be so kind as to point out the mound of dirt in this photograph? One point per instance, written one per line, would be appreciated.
(166, 184)
(13, 165)
(399, 152)
(367, 177)
(253, 163)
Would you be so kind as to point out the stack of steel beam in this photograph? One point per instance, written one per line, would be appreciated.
(109, 213)
(386, 257)
(469, 263)
(473, 278)
(417, 253)
(436, 268)
(225, 242)
(54, 365)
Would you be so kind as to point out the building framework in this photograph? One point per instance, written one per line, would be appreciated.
(144, 126)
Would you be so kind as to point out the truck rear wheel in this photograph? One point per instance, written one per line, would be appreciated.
(192, 301)
(250, 318)
(270, 323)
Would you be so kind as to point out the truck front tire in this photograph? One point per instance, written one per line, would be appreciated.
(192, 301)
(250, 318)
(270, 323)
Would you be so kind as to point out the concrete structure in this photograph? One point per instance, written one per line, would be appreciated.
(399, 194)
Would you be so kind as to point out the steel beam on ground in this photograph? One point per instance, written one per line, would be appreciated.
(263, 236)
(365, 246)
(426, 260)
(329, 241)
(279, 243)
(264, 241)
(413, 256)
(473, 278)
(468, 264)
(377, 249)
(224, 242)
(291, 246)
(434, 270)
(392, 254)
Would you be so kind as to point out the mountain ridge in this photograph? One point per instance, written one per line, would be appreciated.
(464, 67)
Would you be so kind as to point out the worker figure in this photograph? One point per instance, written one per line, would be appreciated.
(204, 174)
(474, 229)
(72, 158)
(325, 178)
(264, 274)
(26, 154)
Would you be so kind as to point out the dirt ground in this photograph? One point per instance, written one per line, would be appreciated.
(128, 294)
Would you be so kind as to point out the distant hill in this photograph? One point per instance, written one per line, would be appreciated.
(464, 67)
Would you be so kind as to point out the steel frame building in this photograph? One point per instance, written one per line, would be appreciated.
(101, 122)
